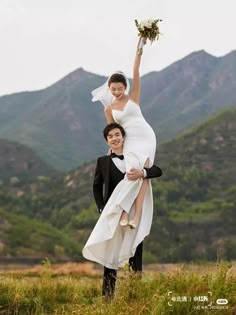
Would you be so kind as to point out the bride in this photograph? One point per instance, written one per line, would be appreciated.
(127, 217)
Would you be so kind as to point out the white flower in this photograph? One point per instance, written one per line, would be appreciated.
(146, 23)
(141, 25)
(151, 21)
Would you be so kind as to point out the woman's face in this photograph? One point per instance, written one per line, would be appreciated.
(117, 89)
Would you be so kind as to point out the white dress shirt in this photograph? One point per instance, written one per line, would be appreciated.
(120, 164)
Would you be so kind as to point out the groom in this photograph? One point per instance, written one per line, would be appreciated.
(110, 170)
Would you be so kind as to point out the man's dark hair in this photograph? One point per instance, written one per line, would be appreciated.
(117, 78)
(112, 126)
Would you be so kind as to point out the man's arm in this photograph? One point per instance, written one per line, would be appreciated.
(98, 183)
(151, 172)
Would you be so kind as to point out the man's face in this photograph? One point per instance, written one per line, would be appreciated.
(115, 139)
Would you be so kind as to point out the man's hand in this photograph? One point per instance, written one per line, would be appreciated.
(134, 174)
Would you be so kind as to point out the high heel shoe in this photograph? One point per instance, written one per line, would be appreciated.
(124, 219)
(123, 223)
(132, 224)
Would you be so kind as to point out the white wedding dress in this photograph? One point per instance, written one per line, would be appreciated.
(110, 244)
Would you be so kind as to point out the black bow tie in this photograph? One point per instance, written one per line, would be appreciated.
(114, 155)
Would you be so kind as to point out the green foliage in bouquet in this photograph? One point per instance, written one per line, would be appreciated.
(148, 29)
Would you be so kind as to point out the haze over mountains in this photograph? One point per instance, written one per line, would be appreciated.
(63, 126)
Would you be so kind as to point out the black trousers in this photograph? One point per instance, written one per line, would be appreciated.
(109, 275)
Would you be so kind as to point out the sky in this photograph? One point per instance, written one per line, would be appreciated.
(44, 40)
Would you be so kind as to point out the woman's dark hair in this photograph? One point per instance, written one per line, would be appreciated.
(112, 126)
(117, 78)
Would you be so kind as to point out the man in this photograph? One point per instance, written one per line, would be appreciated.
(110, 170)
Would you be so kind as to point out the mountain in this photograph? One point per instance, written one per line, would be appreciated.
(194, 203)
(59, 122)
(20, 162)
(65, 128)
(188, 91)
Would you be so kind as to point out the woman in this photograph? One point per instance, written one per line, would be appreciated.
(113, 246)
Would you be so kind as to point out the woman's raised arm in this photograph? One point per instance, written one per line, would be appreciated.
(135, 91)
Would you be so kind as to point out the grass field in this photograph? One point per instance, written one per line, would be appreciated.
(177, 290)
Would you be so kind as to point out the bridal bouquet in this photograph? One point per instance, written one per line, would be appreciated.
(148, 29)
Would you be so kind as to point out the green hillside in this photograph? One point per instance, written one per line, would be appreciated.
(194, 201)
(21, 237)
(20, 162)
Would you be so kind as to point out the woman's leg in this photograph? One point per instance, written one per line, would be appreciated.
(139, 202)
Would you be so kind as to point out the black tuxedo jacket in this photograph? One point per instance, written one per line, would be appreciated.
(102, 176)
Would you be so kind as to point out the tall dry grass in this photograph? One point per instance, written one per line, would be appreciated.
(48, 293)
